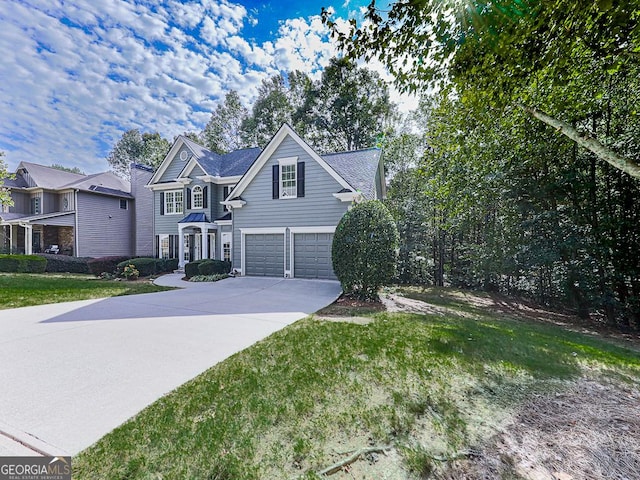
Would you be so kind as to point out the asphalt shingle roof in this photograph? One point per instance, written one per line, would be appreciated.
(226, 165)
(358, 168)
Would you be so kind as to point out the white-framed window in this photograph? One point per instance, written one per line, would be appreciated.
(165, 251)
(226, 190)
(226, 246)
(288, 177)
(197, 197)
(173, 202)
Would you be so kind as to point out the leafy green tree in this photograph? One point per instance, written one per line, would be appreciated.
(5, 198)
(347, 109)
(507, 53)
(364, 249)
(223, 133)
(58, 166)
(134, 147)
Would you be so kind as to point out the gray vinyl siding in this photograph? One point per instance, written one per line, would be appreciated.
(50, 202)
(317, 208)
(142, 212)
(68, 220)
(166, 224)
(103, 227)
(21, 202)
(175, 167)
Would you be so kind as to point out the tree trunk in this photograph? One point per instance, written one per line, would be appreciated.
(627, 165)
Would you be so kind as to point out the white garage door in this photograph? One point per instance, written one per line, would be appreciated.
(312, 256)
(264, 254)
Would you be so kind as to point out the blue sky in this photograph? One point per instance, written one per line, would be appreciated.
(76, 74)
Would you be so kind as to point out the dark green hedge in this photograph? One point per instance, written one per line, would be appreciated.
(149, 266)
(22, 264)
(65, 263)
(106, 264)
(364, 250)
(206, 267)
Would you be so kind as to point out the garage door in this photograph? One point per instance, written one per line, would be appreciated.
(312, 255)
(264, 254)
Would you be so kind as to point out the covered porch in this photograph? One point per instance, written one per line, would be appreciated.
(196, 239)
(35, 234)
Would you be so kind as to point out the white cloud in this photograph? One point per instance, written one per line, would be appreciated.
(78, 73)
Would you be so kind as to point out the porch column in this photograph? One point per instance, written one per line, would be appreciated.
(180, 247)
(28, 239)
(204, 238)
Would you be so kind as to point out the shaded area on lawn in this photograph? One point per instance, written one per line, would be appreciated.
(289, 403)
(22, 290)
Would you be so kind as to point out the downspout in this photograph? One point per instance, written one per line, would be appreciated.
(76, 244)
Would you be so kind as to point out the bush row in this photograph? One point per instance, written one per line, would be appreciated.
(65, 263)
(22, 264)
(206, 267)
(149, 266)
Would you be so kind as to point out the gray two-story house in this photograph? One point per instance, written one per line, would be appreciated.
(270, 212)
(81, 215)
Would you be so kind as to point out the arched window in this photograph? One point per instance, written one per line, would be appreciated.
(197, 197)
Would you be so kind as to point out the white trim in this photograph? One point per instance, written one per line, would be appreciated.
(223, 222)
(184, 180)
(186, 155)
(234, 203)
(188, 168)
(292, 233)
(193, 198)
(168, 159)
(222, 236)
(269, 150)
(219, 180)
(165, 186)
(288, 161)
(164, 207)
(259, 231)
(348, 196)
(322, 229)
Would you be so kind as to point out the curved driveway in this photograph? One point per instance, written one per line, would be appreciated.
(71, 372)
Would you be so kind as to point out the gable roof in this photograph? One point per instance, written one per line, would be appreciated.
(359, 168)
(49, 177)
(284, 132)
(230, 164)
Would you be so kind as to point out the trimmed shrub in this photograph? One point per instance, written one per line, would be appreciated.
(146, 266)
(65, 263)
(22, 264)
(208, 278)
(106, 264)
(364, 249)
(149, 266)
(191, 269)
(214, 267)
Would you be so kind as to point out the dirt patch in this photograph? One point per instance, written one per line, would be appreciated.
(589, 431)
(347, 306)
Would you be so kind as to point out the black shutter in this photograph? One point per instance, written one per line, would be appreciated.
(275, 181)
(300, 179)
(157, 242)
(161, 203)
(205, 197)
(188, 199)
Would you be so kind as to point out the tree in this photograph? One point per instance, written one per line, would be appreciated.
(133, 147)
(508, 52)
(347, 109)
(58, 166)
(223, 133)
(5, 197)
(364, 249)
(270, 110)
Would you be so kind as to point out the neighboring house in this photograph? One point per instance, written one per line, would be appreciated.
(84, 215)
(270, 212)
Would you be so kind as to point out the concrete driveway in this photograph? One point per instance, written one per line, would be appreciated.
(71, 372)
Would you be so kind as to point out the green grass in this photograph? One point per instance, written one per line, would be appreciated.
(24, 289)
(297, 401)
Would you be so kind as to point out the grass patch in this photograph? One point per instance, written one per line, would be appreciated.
(305, 397)
(22, 290)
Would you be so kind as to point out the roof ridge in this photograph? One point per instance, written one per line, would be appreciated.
(350, 151)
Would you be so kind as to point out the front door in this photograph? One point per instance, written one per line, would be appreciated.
(36, 242)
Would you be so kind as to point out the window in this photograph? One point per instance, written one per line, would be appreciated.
(288, 184)
(226, 190)
(226, 246)
(197, 197)
(35, 206)
(167, 246)
(124, 204)
(173, 202)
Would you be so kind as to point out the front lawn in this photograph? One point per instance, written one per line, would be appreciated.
(449, 393)
(25, 289)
